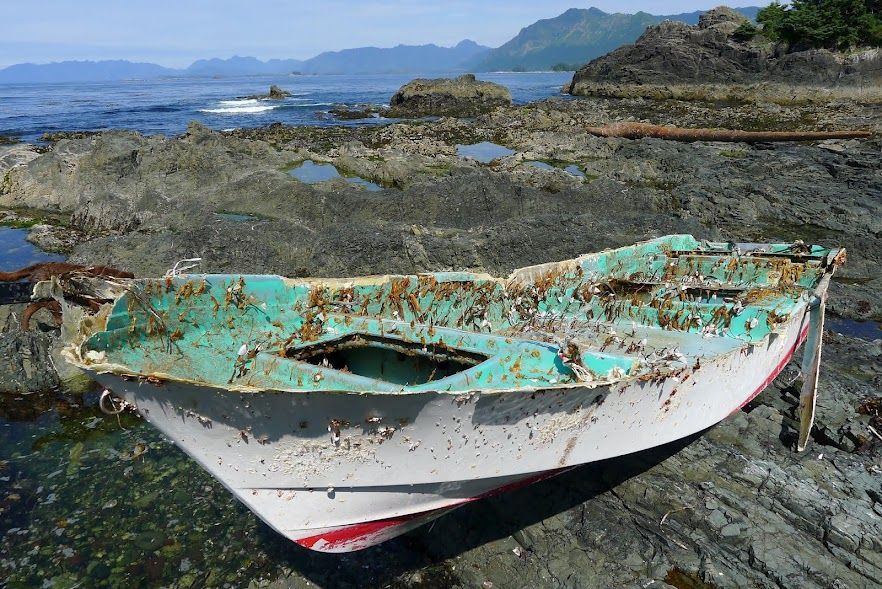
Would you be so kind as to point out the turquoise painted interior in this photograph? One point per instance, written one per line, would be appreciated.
(451, 331)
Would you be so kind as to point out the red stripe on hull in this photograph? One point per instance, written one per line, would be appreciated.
(776, 371)
(362, 535)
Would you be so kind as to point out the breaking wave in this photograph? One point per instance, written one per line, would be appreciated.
(241, 107)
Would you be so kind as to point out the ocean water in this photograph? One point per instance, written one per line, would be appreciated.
(166, 105)
(17, 252)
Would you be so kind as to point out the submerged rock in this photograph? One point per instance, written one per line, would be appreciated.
(458, 97)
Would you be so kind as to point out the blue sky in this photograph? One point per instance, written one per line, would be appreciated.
(176, 32)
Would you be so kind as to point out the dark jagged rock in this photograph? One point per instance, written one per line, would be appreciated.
(677, 53)
(462, 96)
(8, 140)
(275, 93)
(57, 136)
(351, 113)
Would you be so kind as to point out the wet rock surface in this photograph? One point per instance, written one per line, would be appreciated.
(732, 507)
(351, 113)
(676, 53)
(25, 356)
(462, 96)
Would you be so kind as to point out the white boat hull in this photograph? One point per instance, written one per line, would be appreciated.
(338, 472)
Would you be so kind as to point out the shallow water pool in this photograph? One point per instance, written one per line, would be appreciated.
(484, 152)
(575, 171)
(17, 252)
(541, 165)
(310, 172)
(572, 169)
(868, 330)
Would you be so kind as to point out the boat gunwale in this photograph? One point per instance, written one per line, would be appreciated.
(829, 259)
(657, 374)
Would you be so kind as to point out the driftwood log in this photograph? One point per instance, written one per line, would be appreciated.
(641, 130)
(46, 270)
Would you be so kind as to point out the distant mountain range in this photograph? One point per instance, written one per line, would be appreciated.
(575, 37)
(400, 59)
(78, 71)
(564, 42)
(241, 66)
(362, 60)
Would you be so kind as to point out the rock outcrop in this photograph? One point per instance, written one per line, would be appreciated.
(275, 93)
(677, 53)
(462, 96)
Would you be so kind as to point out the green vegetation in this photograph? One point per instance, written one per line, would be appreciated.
(25, 218)
(745, 31)
(439, 169)
(16, 223)
(564, 67)
(832, 24)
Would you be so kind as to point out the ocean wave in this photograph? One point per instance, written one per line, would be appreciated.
(242, 109)
(239, 102)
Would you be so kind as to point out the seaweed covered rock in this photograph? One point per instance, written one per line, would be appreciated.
(458, 97)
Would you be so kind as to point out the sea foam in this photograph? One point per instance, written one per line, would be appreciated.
(243, 106)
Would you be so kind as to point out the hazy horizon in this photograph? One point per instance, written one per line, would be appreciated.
(174, 34)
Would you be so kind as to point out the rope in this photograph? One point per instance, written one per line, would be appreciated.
(105, 404)
(181, 266)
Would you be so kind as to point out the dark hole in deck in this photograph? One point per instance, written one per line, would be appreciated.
(387, 359)
(708, 294)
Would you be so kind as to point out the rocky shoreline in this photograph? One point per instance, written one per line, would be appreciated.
(732, 507)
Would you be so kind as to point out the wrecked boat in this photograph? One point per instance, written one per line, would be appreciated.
(347, 412)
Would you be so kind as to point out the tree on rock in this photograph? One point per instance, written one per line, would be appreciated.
(834, 24)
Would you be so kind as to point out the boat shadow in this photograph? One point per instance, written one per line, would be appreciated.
(471, 526)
